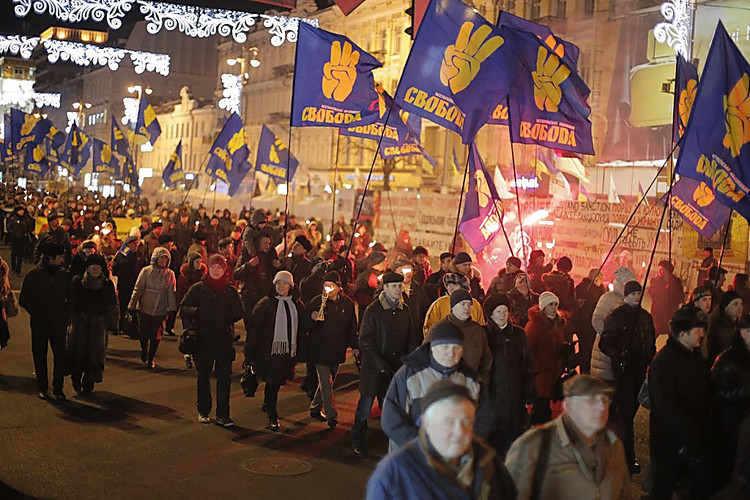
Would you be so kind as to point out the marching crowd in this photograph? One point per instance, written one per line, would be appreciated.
(466, 377)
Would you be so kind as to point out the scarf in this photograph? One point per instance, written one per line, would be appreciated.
(285, 327)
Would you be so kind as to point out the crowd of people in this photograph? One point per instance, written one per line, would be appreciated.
(466, 377)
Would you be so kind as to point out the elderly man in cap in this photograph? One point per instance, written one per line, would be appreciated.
(56, 233)
(708, 262)
(434, 283)
(446, 460)
(682, 431)
(442, 306)
(462, 263)
(575, 456)
(298, 264)
(476, 348)
(442, 358)
(717, 276)
(386, 334)
(422, 269)
(629, 340)
(44, 295)
(506, 277)
(151, 240)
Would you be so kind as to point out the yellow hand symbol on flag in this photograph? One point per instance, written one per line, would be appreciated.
(236, 142)
(404, 115)
(549, 75)
(106, 155)
(483, 190)
(685, 104)
(703, 195)
(340, 73)
(38, 153)
(737, 118)
(462, 60)
(273, 155)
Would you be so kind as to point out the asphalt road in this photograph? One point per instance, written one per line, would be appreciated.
(137, 436)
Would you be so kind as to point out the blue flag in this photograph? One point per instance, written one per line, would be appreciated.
(333, 82)
(395, 151)
(483, 210)
(44, 130)
(696, 203)
(147, 125)
(21, 128)
(122, 159)
(35, 159)
(229, 154)
(548, 102)
(402, 127)
(77, 151)
(103, 158)
(273, 156)
(567, 51)
(714, 147)
(686, 87)
(173, 172)
(459, 69)
(7, 131)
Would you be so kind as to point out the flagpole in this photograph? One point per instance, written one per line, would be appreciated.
(335, 176)
(723, 248)
(460, 201)
(286, 195)
(515, 178)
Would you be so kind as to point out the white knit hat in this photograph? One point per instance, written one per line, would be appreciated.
(546, 298)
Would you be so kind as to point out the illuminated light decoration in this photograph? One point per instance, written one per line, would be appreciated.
(675, 31)
(40, 99)
(72, 118)
(535, 217)
(527, 184)
(196, 22)
(18, 45)
(86, 55)
(232, 93)
(130, 104)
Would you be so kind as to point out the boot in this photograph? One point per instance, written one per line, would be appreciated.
(152, 353)
(144, 350)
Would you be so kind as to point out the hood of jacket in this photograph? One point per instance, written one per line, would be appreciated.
(158, 252)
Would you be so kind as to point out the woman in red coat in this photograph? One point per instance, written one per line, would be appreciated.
(544, 332)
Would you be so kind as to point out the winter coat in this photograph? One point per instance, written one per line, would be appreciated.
(365, 286)
(520, 305)
(476, 348)
(546, 339)
(277, 368)
(512, 378)
(666, 295)
(720, 333)
(588, 295)
(213, 315)
(562, 285)
(442, 308)
(154, 292)
(127, 266)
(183, 237)
(150, 242)
(345, 268)
(19, 227)
(255, 280)
(601, 366)
(678, 383)
(730, 384)
(475, 286)
(503, 282)
(416, 299)
(300, 267)
(535, 273)
(434, 284)
(410, 473)
(402, 409)
(95, 311)
(386, 334)
(214, 235)
(629, 340)
(328, 339)
(58, 235)
(567, 477)
(189, 276)
(44, 295)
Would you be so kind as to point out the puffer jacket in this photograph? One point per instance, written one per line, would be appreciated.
(601, 365)
(155, 289)
(546, 339)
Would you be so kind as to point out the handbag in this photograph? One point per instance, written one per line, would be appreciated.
(11, 305)
(188, 341)
(249, 382)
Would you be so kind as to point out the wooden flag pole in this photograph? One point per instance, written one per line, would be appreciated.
(460, 200)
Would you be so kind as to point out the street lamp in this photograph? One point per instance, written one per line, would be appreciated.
(251, 59)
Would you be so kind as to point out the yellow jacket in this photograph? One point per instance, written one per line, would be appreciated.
(442, 308)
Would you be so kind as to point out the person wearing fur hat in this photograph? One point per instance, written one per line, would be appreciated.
(462, 264)
(440, 359)
(299, 264)
(629, 340)
(367, 282)
(506, 277)
(723, 324)
(44, 295)
(19, 226)
(476, 348)
(601, 366)
(387, 333)
(545, 332)
(95, 313)
(153, 298)
(561, 284)
(666, 294)
(511, 382)
(441, 308)
(212, 307)
(329, 337)
(536, 269)
(127, 265)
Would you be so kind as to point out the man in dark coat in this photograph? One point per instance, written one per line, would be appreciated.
(367, 281)
(329, 338)
(126, 265)
(343, 264)
(387, 333)
(413, 294)
(298, 264)
(462, 262)
(681, 426)
(44, 295)
(422, 270)
(512, 376)
(434, 283)
(667, 294)
(254, 275)
(505, 280)
(629, 340)
(20, 227)
(561, 284)
(57, 234)
(182, 231)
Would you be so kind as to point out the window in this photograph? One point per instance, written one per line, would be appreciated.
(588, 7)
(535, 9)
(17, 71)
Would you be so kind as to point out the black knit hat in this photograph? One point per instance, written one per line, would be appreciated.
(165, 238)
(631, 287)
(459, 296)
(391, 277)
(462, 258)
(96, 260)
(52, 248)
(302, 240)
(493, 301)
(685, 319)
(444, 389)
(727, 298)
(564, 264)
(333, 277)
(201, 234)
(445, 332)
